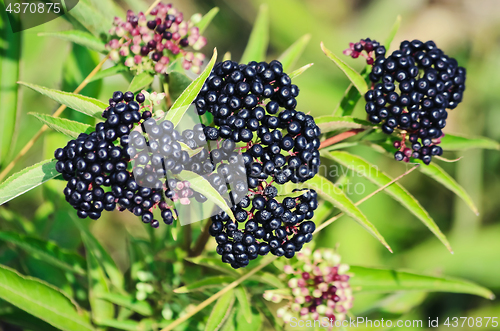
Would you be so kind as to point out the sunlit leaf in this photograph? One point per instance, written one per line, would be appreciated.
(206, 20)
(357, 80)
(300, 71)
(244, 302)
(78, 37)
(454, 142)
(181, 105)
(333, 194)
(41, 300)
(83, 104)
(259, 38)
(141, 307)
(114, 70)
(397, 191)
(141, 81)
(387, 280)
(177, 83)
(331, 123)
(220, 312)
(70, 128)
(207, 282)
(392, 34)
(47, 251)
(27, 179)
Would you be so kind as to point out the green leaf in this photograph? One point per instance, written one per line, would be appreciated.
(203, 186)
(437, 173)
(177, 83)
(114, 70)
(187, 97)
(78, 37)
(351, 97)
(47, 251)
(244, 302)
(41, 300)
(259, 38)
(207, 282)
(357, 80)
(27, 179)
(397, 191)
(454, 142)
(70, 128)
(300, 71)
(213, 263)
(15, 316)
(268, 278)
(293, 53)
(332, 123)
(89, 17)
(333, 194)
(115, 274)
(83, 104)
(191, 152)
(121, 325)
(392, 34)
(141, 307)
(242, 325)
(98, 286)
(229, 324)
(206, 20)
(400, 302)
(387, 280)
(220, 312)
(10, 57)
(141, 81)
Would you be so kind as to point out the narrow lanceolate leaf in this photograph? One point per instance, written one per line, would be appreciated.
(350, 98)
(141, 81)
(191, 152)
(128, 325)
(357, 80)
(141, 307)
(293, 53)
(78, 37)
(98, 285)
(332, 123)
(88, 16)
(83, 104)
(387, 280)
(114, 70)
(27, 179)
(68, 127)
(187, 97)
(47, 251)
(437, 173)
(206, 20)
(333, 194)
(115, 274)
(41, 300)
(244, 302)
(454, 142)
(395, 190)
(203, 186)
(177, 83)
(300, 71)
(208, 282)
(259, 38)
(392, 34)
(220, 312)
(10, 54)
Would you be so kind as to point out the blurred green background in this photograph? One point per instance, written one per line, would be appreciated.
(467, 30)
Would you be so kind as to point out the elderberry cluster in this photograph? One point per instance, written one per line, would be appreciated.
(96, 166)
(150, 43)
(265, 225)
(245, 101)
(412, 90)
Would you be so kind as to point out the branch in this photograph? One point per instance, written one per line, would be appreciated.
(201, 241)
(338, 138)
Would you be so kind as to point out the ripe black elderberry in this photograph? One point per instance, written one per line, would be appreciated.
(411, 91)
(265, 225)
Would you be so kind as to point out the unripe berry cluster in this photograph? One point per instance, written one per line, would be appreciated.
(151, 42)
(411, 91)
(367, 48)
(265, 225)
(96, 166)
(318, 287)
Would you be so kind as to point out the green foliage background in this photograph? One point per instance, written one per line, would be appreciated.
(467, 30)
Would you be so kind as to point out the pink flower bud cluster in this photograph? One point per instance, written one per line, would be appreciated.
(151, 42)
(318, 287)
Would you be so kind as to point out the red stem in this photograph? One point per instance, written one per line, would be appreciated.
(338, 138)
